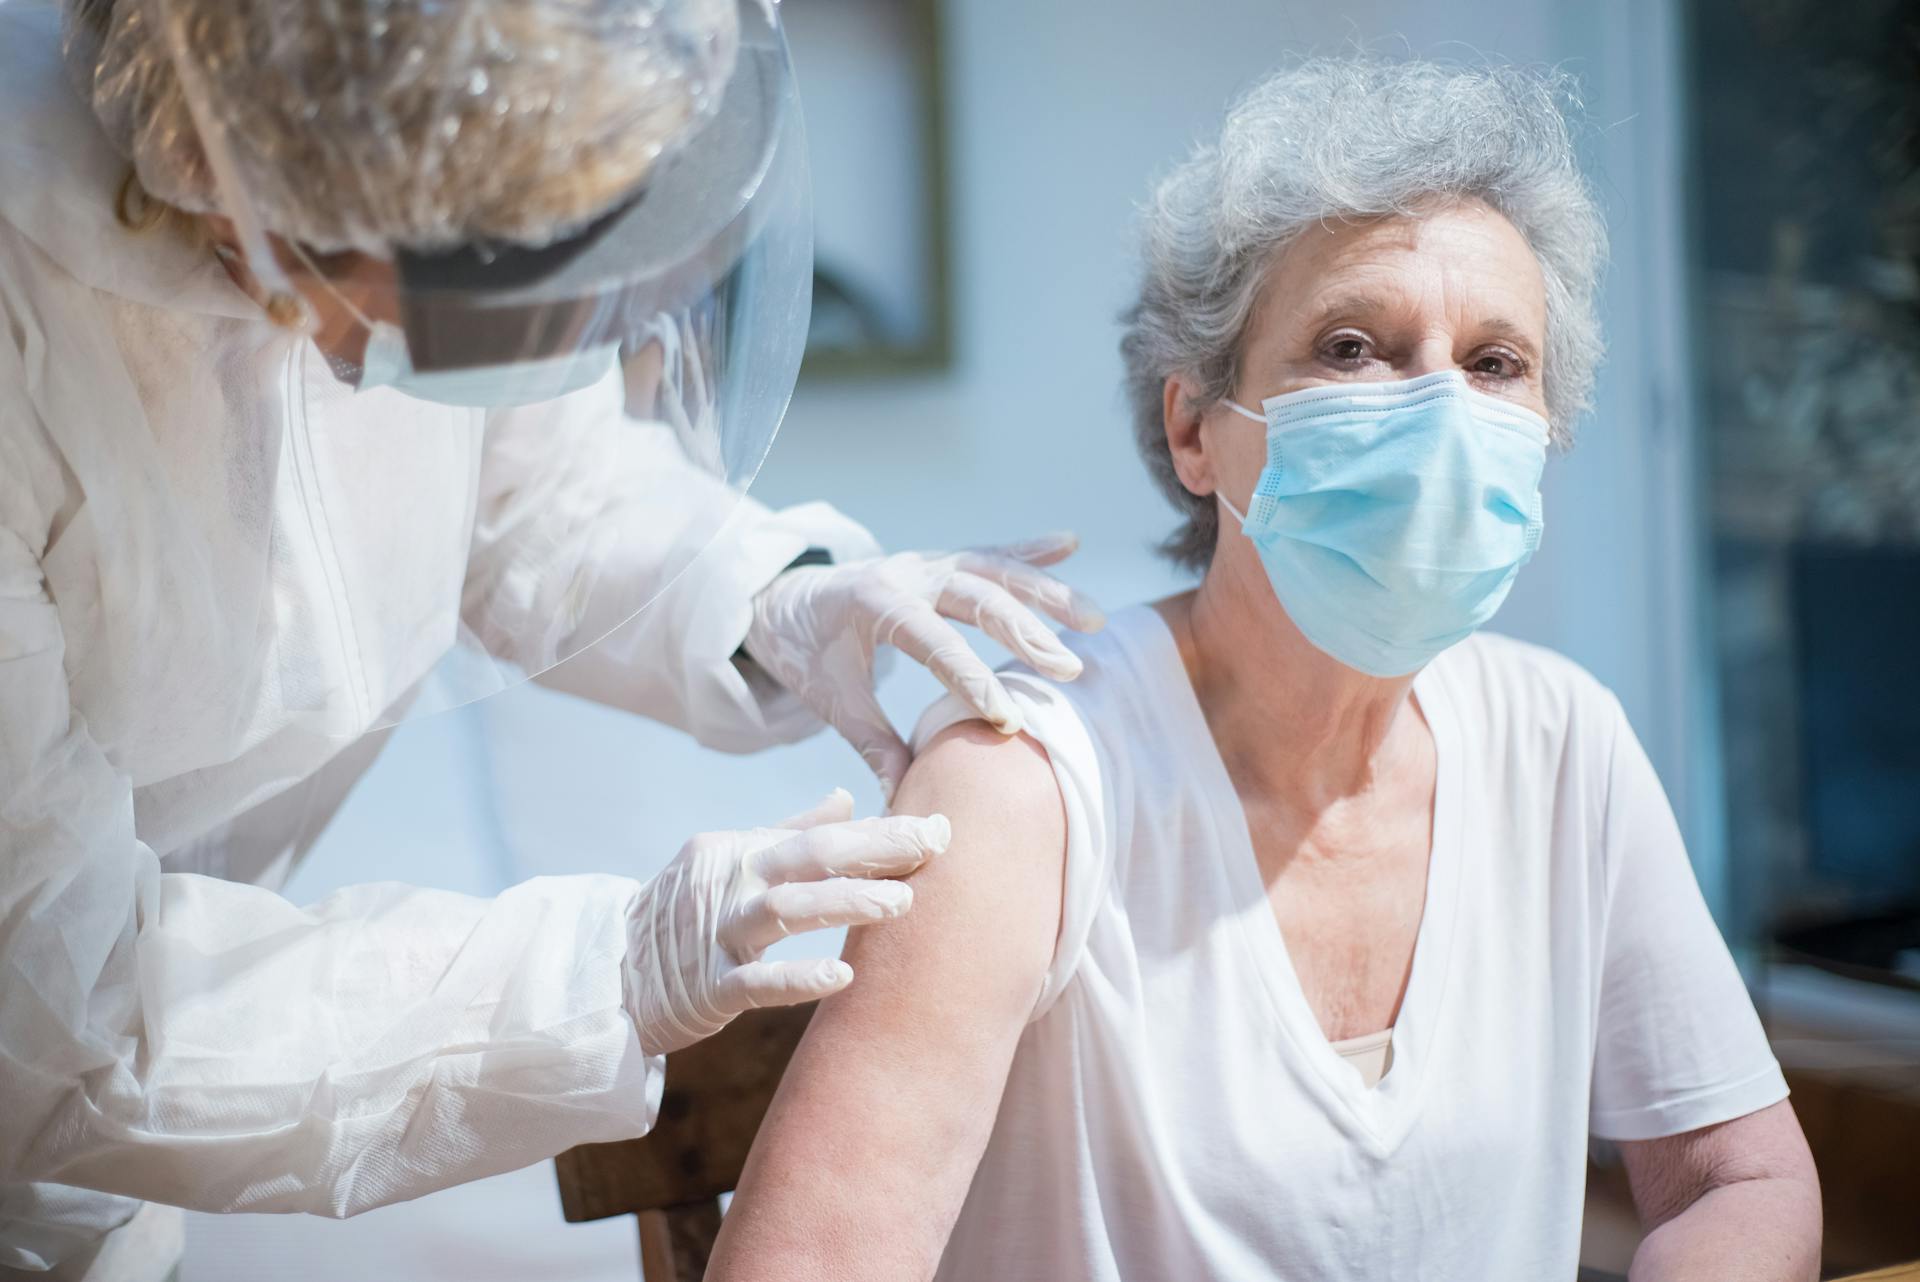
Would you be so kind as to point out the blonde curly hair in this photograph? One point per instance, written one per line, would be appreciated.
(371, 124)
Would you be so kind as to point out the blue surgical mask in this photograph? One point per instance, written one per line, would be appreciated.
(388, 364)
(1392, 517)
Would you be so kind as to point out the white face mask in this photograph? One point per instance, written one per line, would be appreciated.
(387, 364)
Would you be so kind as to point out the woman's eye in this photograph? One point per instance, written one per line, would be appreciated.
(1497, 365)
(1347, 348)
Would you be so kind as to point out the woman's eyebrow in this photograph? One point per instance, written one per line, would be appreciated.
(1350, 305)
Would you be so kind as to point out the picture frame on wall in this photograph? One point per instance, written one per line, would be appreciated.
(870, 86)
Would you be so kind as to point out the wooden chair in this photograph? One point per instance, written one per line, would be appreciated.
(716, 1096)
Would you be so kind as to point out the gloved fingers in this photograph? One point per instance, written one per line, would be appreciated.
(1036, 588)
(923, 636)
(779, 983)
(995, 611)
(1048, 549)
(795, 906)
(882, 847)
(856, 713)
(835, 807)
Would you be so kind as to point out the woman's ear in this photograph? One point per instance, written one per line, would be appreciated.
(1185, 441)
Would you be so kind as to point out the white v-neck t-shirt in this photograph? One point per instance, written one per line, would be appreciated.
(1174, 1110)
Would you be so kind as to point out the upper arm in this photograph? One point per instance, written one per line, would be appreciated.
(866, 1156)
(1670, 1174)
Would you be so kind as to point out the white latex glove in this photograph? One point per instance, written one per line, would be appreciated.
(696, 932)
(816, 629)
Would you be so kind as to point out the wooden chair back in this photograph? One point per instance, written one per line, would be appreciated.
(716, 1095)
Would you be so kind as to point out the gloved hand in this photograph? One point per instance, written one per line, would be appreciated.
(816, 629)
(696, 932)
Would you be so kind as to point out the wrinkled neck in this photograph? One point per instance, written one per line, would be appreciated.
(1291, 721)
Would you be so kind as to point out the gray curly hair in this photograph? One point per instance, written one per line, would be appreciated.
(1331, 138)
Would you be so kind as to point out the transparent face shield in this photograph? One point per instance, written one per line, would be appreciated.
(651, 351)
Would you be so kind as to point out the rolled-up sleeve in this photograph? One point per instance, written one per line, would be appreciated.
(188, 1040)
(601, 548)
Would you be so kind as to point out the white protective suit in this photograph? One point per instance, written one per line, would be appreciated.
(176, 477)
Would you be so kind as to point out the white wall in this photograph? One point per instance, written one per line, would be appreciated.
(1059, 113)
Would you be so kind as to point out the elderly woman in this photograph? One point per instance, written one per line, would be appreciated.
(1325, 932)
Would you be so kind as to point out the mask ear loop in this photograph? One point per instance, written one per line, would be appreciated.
(284, 303)
(1261, 419)
(352, 373)
(326, 283)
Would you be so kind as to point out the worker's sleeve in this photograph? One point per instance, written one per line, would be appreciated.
(208, 1044)
(586, 517)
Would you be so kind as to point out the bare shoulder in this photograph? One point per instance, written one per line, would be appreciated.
(1000, 794)
(999, 880)
(974, 766)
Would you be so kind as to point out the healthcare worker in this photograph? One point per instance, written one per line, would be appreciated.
(360, 358)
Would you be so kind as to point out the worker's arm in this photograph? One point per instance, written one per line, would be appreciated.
(862, 1164)
(1736, 1200)
(596, 537)
(208, 1044)
(588, 541)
